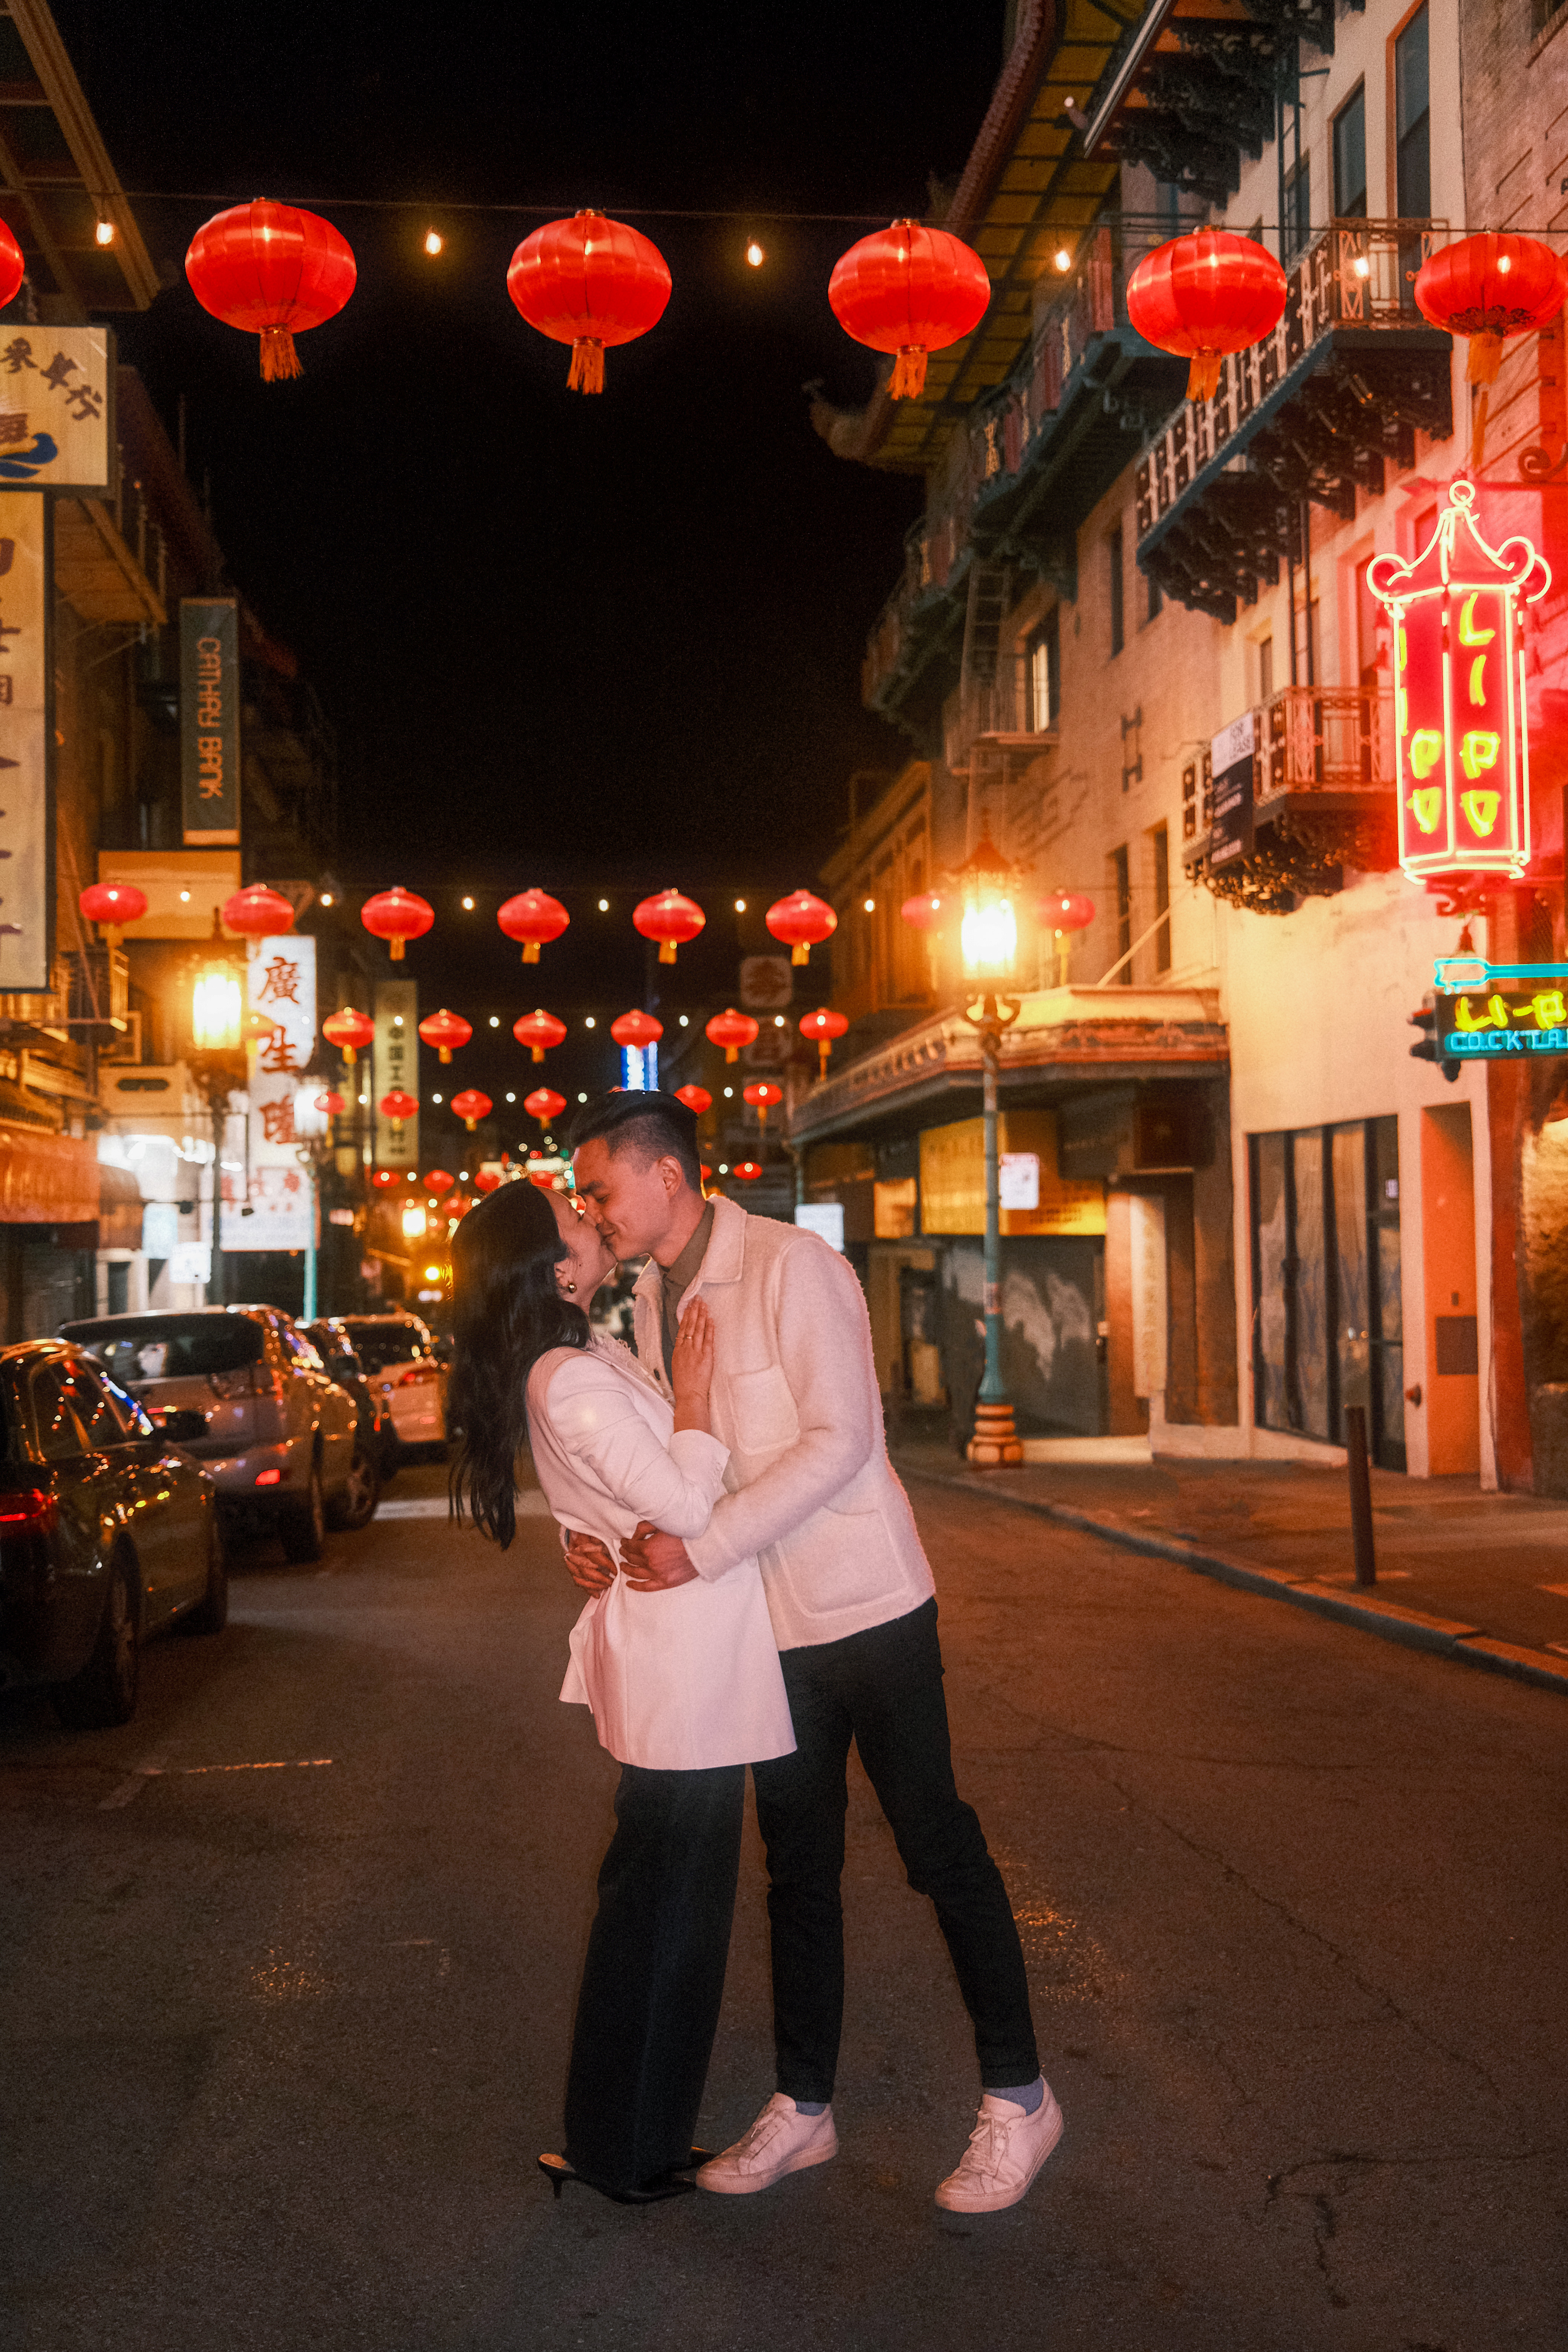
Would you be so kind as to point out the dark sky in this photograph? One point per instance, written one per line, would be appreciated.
(560, 638)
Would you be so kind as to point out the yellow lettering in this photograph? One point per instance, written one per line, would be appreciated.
(1479, 751)
(1425, 750)
(1478, 678)
(1426, 806)
(1469, 633)
(1549, 1007)
(1481, 809)
(1465, 1019)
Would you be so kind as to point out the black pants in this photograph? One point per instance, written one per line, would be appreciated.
(882, 1689)
(649, 2007)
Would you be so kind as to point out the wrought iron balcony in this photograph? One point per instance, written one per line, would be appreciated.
(1316, 411)
(1006, 712)
(1322, 798)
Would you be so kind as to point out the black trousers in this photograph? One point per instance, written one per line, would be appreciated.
(882, 1689)
(648, 2006)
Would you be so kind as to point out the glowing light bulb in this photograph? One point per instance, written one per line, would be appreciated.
(685, 1021)
(870, 906)
(582, 1097)
(1505, 263)
(590, 1023)
(604, 905)
(1361, 266)
(184, 897)
(990, 938)
(433, 242)
(755, 254)
(1063, 258)
(435, 1099)
(740, 905)
(104, 232)
(495, 1020)
(326, 898)
(467, 905)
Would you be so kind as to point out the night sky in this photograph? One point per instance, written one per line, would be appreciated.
(591, 644)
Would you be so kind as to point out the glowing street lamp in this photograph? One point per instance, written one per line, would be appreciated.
(217, 1066)
(988, 934)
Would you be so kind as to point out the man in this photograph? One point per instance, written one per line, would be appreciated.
(815, 1498)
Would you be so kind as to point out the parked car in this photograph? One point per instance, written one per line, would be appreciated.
(109, 1534)
(255, 1407)
(376, 1445)
(400, 1362)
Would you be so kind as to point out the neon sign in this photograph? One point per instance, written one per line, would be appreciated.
(1462, 744)
(1490, 1010)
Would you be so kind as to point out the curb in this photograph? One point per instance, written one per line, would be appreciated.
(1447, 1636)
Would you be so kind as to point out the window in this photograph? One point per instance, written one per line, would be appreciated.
(1266, 669)
(1298, 211)
(59, 1438)
(1160, 849)
(1412, 121)
(1045, 659)
(1153, 599)
(1118, 600)
(1121, 885)
(1350, 158)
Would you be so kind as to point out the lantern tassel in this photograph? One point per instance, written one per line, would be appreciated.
(397, 951)
(530, 950)
(800, 952)
(586, 373)
(731, 1053)
(1203, 376)
(279, 360)
(908, 374)
(1479, 434)
(822, 1051)
(539, 1052)
(667, 951)
(1484, 359)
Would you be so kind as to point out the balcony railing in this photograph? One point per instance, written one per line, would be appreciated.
(1011, 710)
(1320, 741)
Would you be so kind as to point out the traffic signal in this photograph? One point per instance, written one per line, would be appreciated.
(1426, 1050)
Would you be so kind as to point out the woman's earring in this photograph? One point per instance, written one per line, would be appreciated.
(571, 1286)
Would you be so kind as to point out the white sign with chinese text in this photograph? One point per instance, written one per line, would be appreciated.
(395, 1066)
(25, 926)
(1018, 1180)
(57, 408)
(281, 986)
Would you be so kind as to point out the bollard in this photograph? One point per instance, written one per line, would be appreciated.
(1361, 1494)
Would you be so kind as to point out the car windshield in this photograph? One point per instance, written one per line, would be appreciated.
(379, 1344)
(133, 1349)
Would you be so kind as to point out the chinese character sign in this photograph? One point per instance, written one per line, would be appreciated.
(56, 401)
(281, 986)
(209, 721)
(25, 928)
(1458, 611)
(396, 1051)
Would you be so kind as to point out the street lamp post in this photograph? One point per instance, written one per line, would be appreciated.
(217, 1064)
(989, 939)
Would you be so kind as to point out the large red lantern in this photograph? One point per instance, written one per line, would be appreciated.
(1490, 287)
(764, 1097)
(544, 1103)
(822, 1027)
(397, 1106)
(332, 1104)
(747, 1171)
(397, 915)
(258, 913)
(802, 922)
(348, 1031)
(440, 1180)
(590, 282)
(637, 1029)
(697, 1099)
(271, 270)
(12, 266)
(383, 1177)
(487, 1180)
(732, 1030)
(1064, 912)
(1462, 748)
(1204, 296)
(534, 917)
(671, 919)
(911, 290)
(539, 1030)
(923, 911)
(446, 1031)
(471, 1106)
(112, 904)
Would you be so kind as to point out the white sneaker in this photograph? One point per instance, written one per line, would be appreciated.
(780, 2140)
(1006, 2150)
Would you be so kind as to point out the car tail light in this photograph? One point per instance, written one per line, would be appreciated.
(412, 1377)
(28, 1510)
(269, 1478)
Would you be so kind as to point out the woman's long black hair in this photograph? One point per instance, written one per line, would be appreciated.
(507, 1310)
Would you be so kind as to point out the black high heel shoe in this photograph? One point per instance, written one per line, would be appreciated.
(657, 2191)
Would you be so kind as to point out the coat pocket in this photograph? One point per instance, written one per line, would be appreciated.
(762, 1410)
(840, 1561)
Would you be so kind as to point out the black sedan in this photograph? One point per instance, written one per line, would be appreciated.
(108, 1534)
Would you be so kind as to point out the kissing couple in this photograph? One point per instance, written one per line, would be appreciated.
(758, 1596)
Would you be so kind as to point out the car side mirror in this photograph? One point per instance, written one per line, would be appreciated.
(180, 1427)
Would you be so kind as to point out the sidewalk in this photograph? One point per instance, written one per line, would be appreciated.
(1457, 1571)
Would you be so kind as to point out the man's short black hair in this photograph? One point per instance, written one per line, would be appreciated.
(655, 1125)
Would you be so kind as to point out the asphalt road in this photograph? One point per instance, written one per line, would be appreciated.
(277, 2046)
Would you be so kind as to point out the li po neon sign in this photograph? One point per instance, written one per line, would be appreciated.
(1463, 750)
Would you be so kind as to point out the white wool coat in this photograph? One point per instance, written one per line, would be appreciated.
(811, 1493)
(677, 1681)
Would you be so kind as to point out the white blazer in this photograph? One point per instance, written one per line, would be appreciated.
(811, 1494)
(678, 1681)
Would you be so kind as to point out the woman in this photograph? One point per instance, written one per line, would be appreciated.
(684, 1684)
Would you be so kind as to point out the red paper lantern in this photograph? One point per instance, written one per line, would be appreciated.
(762, 1094)
(397, 1105)
(671, 919)
(590, 282)
(13, 267)
(383, 1177)
(1462, 750)
(1203, 296)
(821, 1027)
(802, 922)
(487, 1180)
(112, 904)
(637, 1029)
(535, 918)
(471, 1106)
(332, 1104)
(348, 1031)
(271, 270)
(439, 1180)
(732, 1030)
(707, 1171)
(446, 1031)
(544, 1103)
(539, 1030)
(1065, 911)
(747, 1171)
(697, 1098)
(397, 915)
(911, 290)
(258, 913)
(1490, 287)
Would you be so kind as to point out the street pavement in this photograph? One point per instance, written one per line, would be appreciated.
(288, 1967)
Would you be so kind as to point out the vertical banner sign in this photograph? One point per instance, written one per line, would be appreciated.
(1231, 760)
(1463, 750)
(209, 721)
(281, 987)
(397, 1066)
(26, 895)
